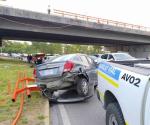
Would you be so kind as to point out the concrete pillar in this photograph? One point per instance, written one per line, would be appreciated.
(0, 42)
(140, 51)
(116, 48)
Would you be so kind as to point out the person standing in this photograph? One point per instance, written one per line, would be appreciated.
(28, 58)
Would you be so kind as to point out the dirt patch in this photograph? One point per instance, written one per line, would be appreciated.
(5, 122)
(3, 102)
(34, 115)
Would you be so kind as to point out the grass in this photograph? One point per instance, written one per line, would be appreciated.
(41, 117)
(24, 121)
(9, 72)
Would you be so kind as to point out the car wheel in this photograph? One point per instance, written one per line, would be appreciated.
(114, 115)
(82, 87)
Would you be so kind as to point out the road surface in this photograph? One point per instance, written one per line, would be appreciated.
(89, 112)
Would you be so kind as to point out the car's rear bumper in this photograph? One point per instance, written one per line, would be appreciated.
(58, 83)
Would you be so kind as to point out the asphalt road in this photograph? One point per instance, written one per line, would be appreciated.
(89, 112)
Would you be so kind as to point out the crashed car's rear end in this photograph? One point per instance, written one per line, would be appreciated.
(66, 72)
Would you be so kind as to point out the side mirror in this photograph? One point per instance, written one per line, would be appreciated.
(97, 64)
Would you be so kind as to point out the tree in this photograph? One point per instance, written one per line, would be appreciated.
(14, 47)
(97, 49)
(49, 48)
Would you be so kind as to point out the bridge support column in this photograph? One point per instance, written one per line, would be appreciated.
(140, 51)
(0, 42)
(116, 48)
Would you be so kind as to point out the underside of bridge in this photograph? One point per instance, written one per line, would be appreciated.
(60, 38)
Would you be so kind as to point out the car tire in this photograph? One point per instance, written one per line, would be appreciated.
(82, 87)
(114, 115)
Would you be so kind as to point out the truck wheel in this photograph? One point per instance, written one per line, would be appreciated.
(82, 87)
(114, 115)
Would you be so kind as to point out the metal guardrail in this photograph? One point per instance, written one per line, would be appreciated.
(22, 80)
(100, 20)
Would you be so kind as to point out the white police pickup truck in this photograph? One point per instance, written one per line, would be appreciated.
(124, 90)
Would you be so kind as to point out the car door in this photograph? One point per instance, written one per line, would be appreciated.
(93, 70)
(87, 67)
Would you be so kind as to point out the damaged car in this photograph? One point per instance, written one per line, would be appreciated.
(72, 71)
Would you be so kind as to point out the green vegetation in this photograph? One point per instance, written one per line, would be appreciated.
(50, 48)
(24, 121)
(8, 73)
(41, 117)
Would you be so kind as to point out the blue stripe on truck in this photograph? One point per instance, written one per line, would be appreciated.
(109, 70)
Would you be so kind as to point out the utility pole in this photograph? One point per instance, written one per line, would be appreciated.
(49, 9)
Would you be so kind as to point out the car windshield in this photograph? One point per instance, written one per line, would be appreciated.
(123, 56)
(63, 58)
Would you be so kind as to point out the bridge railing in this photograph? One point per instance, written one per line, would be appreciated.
(100, 20)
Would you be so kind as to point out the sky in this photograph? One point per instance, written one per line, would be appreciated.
(129, 11)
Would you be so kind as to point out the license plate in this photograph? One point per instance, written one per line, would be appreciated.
(48, 72)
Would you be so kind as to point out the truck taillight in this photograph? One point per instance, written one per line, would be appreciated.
(34, 73)
(68, 66)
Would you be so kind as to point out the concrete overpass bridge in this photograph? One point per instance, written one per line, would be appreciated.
(66, 27)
